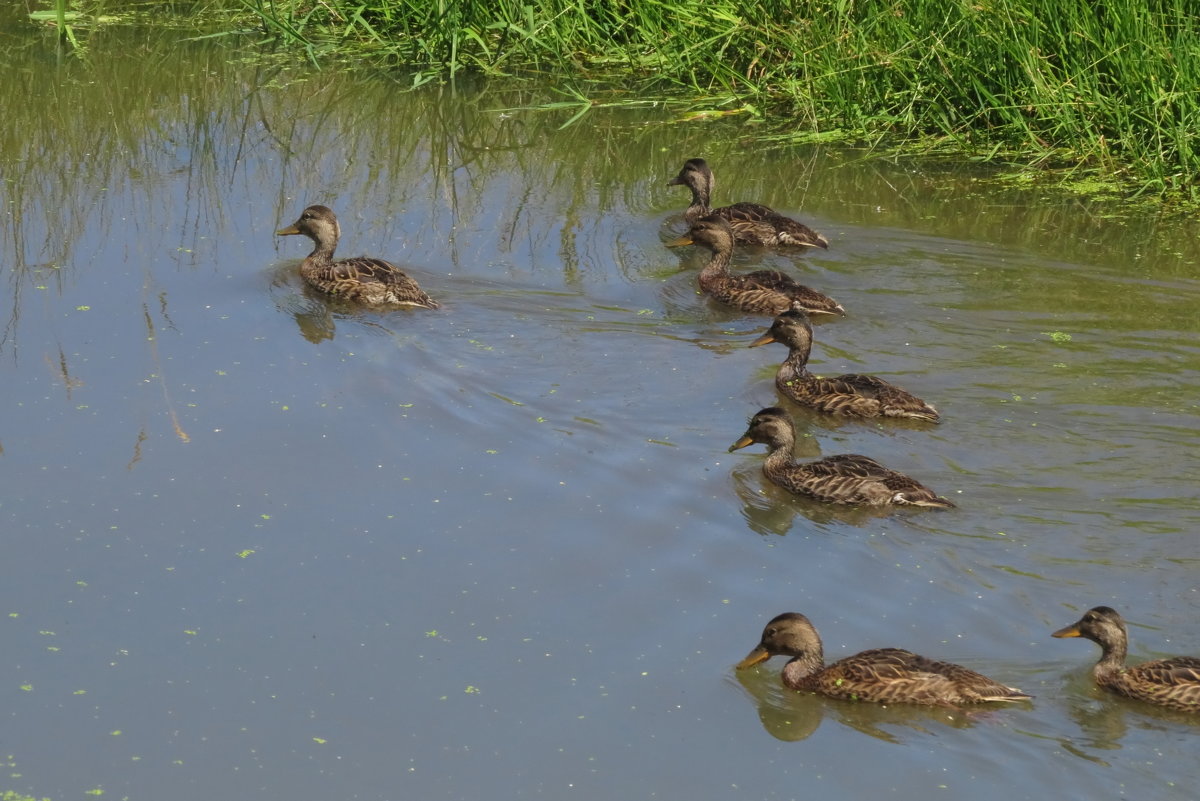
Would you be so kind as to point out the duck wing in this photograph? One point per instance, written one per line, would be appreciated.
(1172, 682)
(894, 675)
(857, 480)
(756, 224)
(857, 395)
(373, 281)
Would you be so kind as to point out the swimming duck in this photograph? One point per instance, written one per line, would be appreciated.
(361, 279)
(760, 292)
(849, 395)
(1173, 683)
(846, 479)
(753, 223)
(882, 675)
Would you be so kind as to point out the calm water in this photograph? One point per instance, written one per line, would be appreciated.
(259, 546)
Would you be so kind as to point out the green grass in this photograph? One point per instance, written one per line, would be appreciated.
(1087, 92)
(1109, 89)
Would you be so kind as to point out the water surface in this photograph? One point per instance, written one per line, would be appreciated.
(260, 545)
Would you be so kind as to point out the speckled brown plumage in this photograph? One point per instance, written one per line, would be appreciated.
(362, 279)
(848, 479)
(1173, 683)
(759, 292)
(883, 675)
(849, 395)
(752, 223)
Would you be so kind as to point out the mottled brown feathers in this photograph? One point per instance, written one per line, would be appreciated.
(882, 675)
(849, 395)
(1172, 683)
(759, 292)
(752, 223)
(848, 479)
(362, 279)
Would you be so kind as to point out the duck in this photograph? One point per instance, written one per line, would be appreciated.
(848, 479)
(753, 223)
(362, 279)
(1173, 683)
(759, 292)
(881, 675)
(849, 395)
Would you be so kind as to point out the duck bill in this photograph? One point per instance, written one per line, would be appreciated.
(686, 239)
(765, 339)
(758, 655)
(291, 229)
(1069, 631)
(741, 443)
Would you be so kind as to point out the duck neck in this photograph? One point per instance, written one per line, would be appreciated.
(803, 666)
(699, 207)
(717, 267)
(795, 366)
(781, 454)
(322, 252)
(1112, 659)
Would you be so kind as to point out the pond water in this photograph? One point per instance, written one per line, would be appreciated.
(257, 545)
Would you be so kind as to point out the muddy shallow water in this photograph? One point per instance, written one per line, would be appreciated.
(262, 545)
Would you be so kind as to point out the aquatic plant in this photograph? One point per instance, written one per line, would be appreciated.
(62, 18)
(1111, 89)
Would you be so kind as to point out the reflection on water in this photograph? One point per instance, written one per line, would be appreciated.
(769, 509)
(286, 547)
(317, 314)
(784, 714)
(1106, 720)
(788, 715)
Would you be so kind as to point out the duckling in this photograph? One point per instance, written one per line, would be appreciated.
(753, 223)
(361, 279)
(761, 291)
(1173, 683)
(849, 395)
(844, 479)
(882, 675)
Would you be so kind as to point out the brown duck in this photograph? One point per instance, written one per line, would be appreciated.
(849, 395)
(1173, 683)
(759, 292)
(361, 279)
(847, 479)
(882, 675)
(753, 223)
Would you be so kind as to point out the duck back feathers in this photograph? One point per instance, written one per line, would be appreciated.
(752, 223)
(362, 279)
